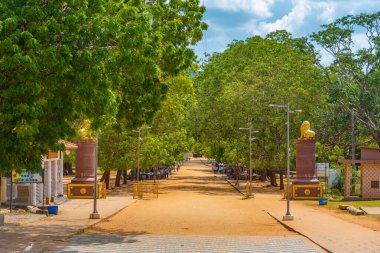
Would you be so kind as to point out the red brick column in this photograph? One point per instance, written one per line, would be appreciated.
(85, 162)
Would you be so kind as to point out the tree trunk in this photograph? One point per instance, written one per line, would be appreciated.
(106, 178)
(125, 175)
(155, 174)
(237, 175)
(133, 174)
(272, 175)
(281, 179)
(263, 177)
(118, 178)
(68, 169)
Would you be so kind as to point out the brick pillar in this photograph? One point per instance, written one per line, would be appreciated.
(347, 180)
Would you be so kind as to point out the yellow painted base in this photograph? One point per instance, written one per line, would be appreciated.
(85, 191)
(312, 191)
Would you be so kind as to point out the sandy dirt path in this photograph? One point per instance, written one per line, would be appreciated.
(193, 202)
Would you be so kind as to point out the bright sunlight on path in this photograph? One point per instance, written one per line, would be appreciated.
(193, 202)
(196, 211)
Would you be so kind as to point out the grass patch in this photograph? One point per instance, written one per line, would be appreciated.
(335, 204)
(356, 204)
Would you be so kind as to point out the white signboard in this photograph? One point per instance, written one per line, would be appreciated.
(322, 169)
(26, 177)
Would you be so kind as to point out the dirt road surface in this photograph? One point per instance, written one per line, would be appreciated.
(194, 201)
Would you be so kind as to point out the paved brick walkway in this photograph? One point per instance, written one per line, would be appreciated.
(190, 244)
(333, 234)
(47, 233)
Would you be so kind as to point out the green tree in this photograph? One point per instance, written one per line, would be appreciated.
(354, 74)
(168, 140)
(234, 89)
(117, 151)
(62, 62)
(164, 144)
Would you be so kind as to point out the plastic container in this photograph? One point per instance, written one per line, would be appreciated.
(52, 209)
(322, 201)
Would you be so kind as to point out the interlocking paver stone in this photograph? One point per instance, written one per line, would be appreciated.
(190, 244)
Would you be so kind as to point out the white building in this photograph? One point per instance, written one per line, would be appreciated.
(33, 193)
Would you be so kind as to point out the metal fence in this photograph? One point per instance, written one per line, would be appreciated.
(145, 190)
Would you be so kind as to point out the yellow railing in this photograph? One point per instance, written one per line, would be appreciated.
(144, 190)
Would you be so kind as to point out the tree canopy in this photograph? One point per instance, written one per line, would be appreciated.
(163, 143)
(354, 74)
(64, 61)
(234, 90)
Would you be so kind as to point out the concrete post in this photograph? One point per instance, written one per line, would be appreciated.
(60, 181)
(33, 197)
(48, 183)
(54, 179)
(41, 185)
(41, 193)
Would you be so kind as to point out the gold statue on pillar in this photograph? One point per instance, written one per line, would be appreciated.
(306, 133)
(85, 132)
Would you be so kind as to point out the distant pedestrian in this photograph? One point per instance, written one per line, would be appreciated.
(215, 167)
(220, 169)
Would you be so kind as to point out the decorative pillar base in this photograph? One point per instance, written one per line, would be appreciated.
(85, 191)
(308, 181)
(309, 191)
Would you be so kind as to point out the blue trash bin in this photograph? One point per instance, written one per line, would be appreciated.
(52, 209)
(322, 201)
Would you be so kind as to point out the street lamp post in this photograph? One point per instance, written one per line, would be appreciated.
(95, 214)
(288, 215)
(250, 156)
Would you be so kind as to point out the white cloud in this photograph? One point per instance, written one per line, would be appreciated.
(259, 8)
(300, 17)
(328, 11)
(303, 11)
(290, 22)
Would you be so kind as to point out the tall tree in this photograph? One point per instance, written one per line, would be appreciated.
(354, 74)
(104, 60)
(234, 90)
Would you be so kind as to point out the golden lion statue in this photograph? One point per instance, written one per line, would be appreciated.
(306, 133)
(85, 130)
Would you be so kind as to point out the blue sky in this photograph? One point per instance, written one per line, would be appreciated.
(240, 19)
